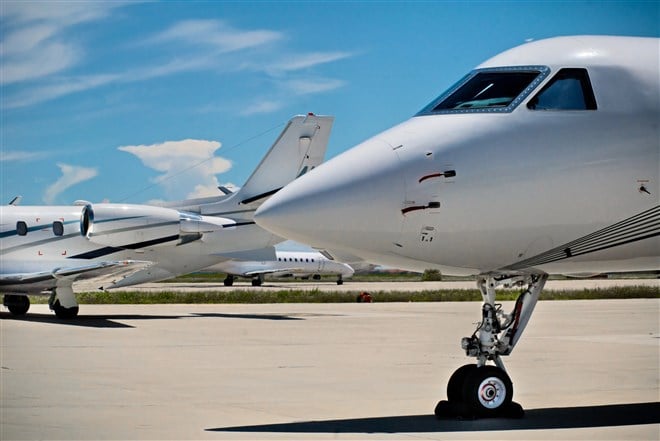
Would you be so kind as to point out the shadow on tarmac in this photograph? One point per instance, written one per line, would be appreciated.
(249, 316)
(113, 321)
(551, 418)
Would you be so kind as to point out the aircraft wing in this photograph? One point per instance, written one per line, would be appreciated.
(96, 273)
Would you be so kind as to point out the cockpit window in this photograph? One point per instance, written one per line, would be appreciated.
(570, 89)
(489, 90)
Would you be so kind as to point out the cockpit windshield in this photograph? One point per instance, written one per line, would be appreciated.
(488, 90)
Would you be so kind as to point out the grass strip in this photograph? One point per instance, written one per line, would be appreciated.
(247, 296)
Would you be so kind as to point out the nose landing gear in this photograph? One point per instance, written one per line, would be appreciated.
(481, 390)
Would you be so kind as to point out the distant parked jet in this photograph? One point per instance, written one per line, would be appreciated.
(286, 263)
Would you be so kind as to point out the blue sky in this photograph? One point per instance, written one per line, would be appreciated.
(114, 101)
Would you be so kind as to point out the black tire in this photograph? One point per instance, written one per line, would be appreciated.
(256, 282)
(456, 382)
(17, 305)
(64, 313)
(229, 281)
(488, 391)
(340, 282)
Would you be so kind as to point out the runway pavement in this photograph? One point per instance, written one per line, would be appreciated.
(583, 370)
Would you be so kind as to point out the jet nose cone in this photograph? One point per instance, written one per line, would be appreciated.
(347, 203)
(281, 213)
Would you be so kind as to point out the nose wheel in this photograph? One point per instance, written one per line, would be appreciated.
(479, 392)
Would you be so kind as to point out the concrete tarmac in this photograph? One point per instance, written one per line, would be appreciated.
(583, 370)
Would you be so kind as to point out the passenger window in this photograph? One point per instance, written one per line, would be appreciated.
(570, 89)
(58, 228)
(21, 228)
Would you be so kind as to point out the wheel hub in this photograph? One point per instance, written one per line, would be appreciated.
(492, 392)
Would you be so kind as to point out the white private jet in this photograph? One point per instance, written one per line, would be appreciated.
(542, 160)
(48, 249)
(302, 264)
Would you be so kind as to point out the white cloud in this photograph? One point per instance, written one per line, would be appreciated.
(44, 59)
(216, 34)
(34, 45)
(25, 39)
(188, 167)
(68, 85)
(305, 61)
(17, 155)
(311, 86)
(202, 191)
(262, 107)
(38, 49)
(71, 175)
(57, 89)
(60, 13)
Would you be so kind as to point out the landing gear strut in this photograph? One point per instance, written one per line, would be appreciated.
(63, 302)
(481, 390)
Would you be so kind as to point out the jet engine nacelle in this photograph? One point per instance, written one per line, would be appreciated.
(141, 226)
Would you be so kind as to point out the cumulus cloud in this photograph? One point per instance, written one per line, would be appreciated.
(71, 175)
(188, 168)
(202, 191)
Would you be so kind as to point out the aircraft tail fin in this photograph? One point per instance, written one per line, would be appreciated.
(300, 147)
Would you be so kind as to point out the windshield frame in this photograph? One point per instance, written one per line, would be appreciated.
(543, 72)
